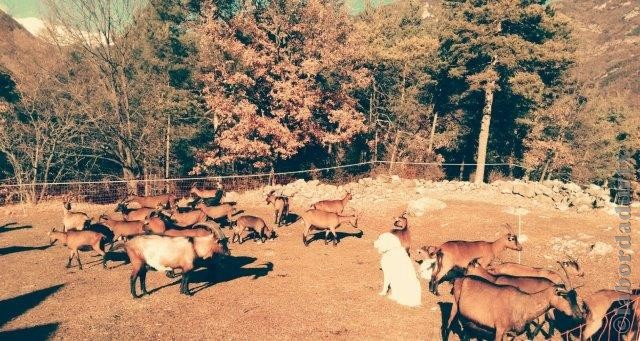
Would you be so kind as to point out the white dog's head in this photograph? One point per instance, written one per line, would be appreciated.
(386, 241)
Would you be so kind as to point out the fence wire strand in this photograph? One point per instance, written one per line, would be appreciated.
(110, 191)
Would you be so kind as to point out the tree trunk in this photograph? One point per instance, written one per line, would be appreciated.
(433, 131)
(375, 146)
(461, 176)
(544, 169)
(166, 153)
(394, 151)
(484, 132)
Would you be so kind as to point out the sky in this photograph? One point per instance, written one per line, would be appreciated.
(29, 13)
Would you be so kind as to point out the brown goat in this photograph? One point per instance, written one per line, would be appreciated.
(206, 193)
(185, 219)
(504, 308)
(152, 201)
(281, 206)
(528, 284)
(74, 240)
(192, 232)
(603, 302)
(515, 269)
(122, 229)
(74, 220)
(216, 212)
(155, 224)
(333, 206)
(253, 224)
(315, 219)
(165, 253)
(130, 214)
(460, 253)
(401, 230)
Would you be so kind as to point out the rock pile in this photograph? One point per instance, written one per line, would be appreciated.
(417, 192)
(562, 195)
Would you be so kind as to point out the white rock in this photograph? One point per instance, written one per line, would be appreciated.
(417, 208)
(600, 249)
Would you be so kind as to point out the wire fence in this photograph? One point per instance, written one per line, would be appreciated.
(112, 191)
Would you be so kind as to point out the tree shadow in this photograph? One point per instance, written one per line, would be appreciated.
(320, 235)
(14, 307)
(5, 227)
(15, 249)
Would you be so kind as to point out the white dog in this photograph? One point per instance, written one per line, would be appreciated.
(399, 273)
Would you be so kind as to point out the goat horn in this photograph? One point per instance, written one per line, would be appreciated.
(508, 227)
(568, 282)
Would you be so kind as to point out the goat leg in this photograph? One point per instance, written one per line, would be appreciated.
(78, 258)
(185, 283)
(335, 237)
(143, 281)
(452, 317)
(70, 258)
(132, 284)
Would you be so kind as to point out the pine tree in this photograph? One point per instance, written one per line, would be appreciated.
(501, 59)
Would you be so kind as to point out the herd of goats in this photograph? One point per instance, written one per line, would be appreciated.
(490, 299)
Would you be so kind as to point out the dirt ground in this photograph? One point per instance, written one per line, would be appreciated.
(277, 290)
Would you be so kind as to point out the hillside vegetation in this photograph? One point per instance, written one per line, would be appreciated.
(178, 87)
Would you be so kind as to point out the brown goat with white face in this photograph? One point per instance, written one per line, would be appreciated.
(74, 240)
(401, 230)
(334, 206)
(152, 201)
(327, 221)
(254, 224)
(281, 206)
(461, 253)
(504, 308)
(169, 253)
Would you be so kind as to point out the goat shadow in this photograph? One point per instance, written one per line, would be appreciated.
(5, 227)
(15, 249)
(222, 270)
(320, 235)
(116, 256)
(473, 331)
(228, 269)
(102, 229)
(224, 222)
(16, 306)
(289, 219)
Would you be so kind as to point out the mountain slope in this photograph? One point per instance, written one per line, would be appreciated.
(608, 33)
